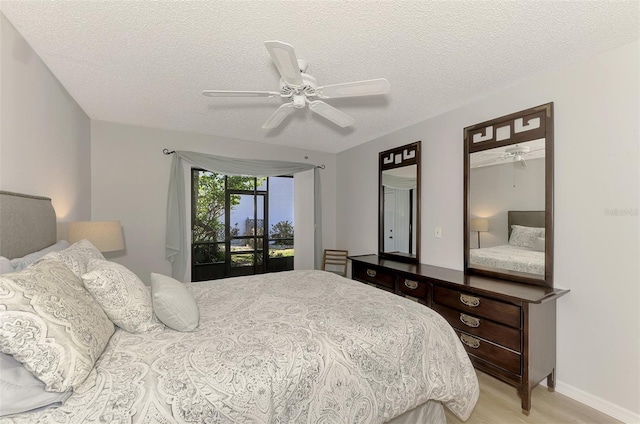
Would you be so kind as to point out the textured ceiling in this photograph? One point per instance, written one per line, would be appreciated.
(146, 63)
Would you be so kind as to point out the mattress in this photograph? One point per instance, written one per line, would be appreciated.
(289, 347)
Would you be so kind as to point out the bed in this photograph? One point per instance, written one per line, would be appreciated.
(291, 347)
(525, 250)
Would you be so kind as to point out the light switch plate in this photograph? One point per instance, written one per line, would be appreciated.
(438, 232)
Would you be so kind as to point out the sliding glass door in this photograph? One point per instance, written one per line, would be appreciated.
(246, 246)
(230, 225)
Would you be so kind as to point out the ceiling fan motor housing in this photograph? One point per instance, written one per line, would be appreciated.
(309, 85)
(517, 150)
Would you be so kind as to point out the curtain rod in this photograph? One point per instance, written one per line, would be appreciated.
(170, 152)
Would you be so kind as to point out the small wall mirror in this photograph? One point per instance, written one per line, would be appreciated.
(399, 212)
(509, 197)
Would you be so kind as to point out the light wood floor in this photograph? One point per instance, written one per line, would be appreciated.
(499, 403)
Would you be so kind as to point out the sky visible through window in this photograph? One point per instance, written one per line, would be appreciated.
(280, 204)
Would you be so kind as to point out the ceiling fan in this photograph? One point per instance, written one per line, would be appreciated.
(302, 89)
(516, 153)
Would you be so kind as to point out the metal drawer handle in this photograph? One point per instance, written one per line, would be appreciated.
(371, 272)
(469, 300)
(411, 284)
(472, 342)
(469, 321)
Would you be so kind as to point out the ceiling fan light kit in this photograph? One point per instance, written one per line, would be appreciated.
(301, 88)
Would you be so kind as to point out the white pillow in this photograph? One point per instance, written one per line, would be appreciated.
(123, 297)
(5, 265)
(538, 244)
(20, 391)
(524, 236)
(173, 303)
(51, 324)
(77, 256)
(21, 263)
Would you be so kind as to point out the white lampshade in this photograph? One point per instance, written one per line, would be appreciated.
(106, 236)
(479, 224)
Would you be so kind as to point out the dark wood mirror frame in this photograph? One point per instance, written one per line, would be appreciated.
(402, 156)
(487, 138)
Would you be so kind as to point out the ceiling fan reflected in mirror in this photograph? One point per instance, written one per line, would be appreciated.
(302, 89)
(516, 154)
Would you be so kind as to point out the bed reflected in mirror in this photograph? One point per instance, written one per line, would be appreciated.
(508, 195)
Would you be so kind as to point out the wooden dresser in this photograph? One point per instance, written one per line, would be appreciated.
(507, 328)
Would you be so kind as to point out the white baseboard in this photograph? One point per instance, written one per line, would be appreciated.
(600, 404)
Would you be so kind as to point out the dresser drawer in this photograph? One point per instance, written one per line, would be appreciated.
(489, 352)
(413, 288)
(489, 330)
(374, 275)
(495, 310)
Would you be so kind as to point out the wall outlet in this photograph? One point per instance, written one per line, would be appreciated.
(438, 232)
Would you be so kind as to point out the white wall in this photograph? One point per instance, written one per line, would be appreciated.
(596, 213)
(130, 177)
(45, 144)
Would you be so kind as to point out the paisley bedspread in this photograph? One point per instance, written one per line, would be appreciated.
(514, 258)
(289, 347)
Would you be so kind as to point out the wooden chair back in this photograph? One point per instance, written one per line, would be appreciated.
(335, 260)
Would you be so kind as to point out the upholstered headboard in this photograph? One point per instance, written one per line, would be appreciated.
(27, 224)
(526, 219)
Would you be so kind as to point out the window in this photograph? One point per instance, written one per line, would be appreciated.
(240, 225)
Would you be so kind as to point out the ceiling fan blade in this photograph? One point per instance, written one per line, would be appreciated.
(278, 116)
(284, 57)
(484, 162)
(490, 154)
(331, 113)
(230, 93)
(354, 89)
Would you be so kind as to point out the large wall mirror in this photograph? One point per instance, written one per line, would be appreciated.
(508, 197)
(399, 212)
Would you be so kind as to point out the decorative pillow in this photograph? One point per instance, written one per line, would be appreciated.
(123, 297)
(20, 391)
(5, 265)
(524, 236)
(77, 256)
(51, 324)
(538, 244)
(21, 263)
(173, 303)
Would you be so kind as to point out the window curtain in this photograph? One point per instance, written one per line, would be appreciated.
(176, 243)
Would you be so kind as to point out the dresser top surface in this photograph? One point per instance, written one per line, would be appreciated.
(524, 292)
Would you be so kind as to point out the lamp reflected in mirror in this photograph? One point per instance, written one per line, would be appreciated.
(479, 225)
